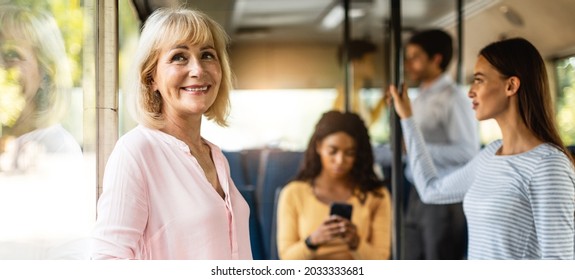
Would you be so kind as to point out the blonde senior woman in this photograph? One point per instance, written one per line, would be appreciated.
(167, 191)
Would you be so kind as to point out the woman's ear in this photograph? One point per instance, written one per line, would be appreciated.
(152, 83)
(513, 84)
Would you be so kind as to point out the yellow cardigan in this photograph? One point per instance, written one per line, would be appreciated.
(300, 213)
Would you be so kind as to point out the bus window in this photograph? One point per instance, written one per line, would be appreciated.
(47, 160)
(128, 34)
(565, 70)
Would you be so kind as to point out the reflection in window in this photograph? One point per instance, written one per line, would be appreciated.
(46, 201)
(565, 69)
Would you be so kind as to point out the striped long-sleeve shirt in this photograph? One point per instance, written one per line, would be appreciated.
(517, 207)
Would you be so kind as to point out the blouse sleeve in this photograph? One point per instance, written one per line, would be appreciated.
(552, 197)
(122, 209)
(431, 188)
(377, 245)
(290, 245)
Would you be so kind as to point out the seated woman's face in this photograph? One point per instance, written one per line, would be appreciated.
(20, 77)
(337, 153)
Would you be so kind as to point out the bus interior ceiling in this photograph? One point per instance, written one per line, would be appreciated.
(270, 33)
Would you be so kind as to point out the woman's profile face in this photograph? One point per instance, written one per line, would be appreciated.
(188, 76)
(487, 92)
(21, 75)
(337, 153)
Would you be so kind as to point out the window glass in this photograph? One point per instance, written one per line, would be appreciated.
(565, 69)
(280, 118)
(128, 34)
(47, 175)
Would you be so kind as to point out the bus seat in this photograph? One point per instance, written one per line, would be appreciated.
(236, 169)
(249, 194)
(251, 163)
(277, 168)
(273, 233)
(244, 166)
(240, 165)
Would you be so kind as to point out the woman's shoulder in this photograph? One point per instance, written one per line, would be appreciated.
(380, 194)
(139, 140)
(552, 171)
(296, 193)
(374, 200)
(140, 136)
(55, 139)
(549, 155)
(300, 189)
(297, 186)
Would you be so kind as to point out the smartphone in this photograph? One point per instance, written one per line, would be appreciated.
(341, 209)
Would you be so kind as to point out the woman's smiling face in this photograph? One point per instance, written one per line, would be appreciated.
(21, 77)
(188, 76)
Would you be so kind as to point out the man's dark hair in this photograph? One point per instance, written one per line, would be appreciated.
(435, 41)
(357, 48)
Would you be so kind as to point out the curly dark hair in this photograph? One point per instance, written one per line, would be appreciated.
(362, 172)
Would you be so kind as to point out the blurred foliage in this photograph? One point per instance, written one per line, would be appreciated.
(565, 70)
(11, 100)
(128, 34)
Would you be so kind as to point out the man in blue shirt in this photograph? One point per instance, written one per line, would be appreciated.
(445, 116)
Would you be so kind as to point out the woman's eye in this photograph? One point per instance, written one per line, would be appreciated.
(208, 55)
(10, 56)
(178, 58)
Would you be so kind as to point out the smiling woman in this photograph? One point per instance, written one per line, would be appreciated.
(167, 191)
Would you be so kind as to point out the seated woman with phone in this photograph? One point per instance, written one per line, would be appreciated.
(336, 208)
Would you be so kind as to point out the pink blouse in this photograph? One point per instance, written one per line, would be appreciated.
(157, 204)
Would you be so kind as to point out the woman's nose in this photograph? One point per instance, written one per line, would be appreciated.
(339, 158)
(195, 68)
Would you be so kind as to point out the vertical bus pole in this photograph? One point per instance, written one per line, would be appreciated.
(459, 42)
(346, 59)
(396, 133)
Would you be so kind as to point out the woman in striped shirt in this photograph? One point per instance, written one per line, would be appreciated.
(519, 192)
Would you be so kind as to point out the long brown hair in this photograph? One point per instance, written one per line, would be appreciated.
(518, 57)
